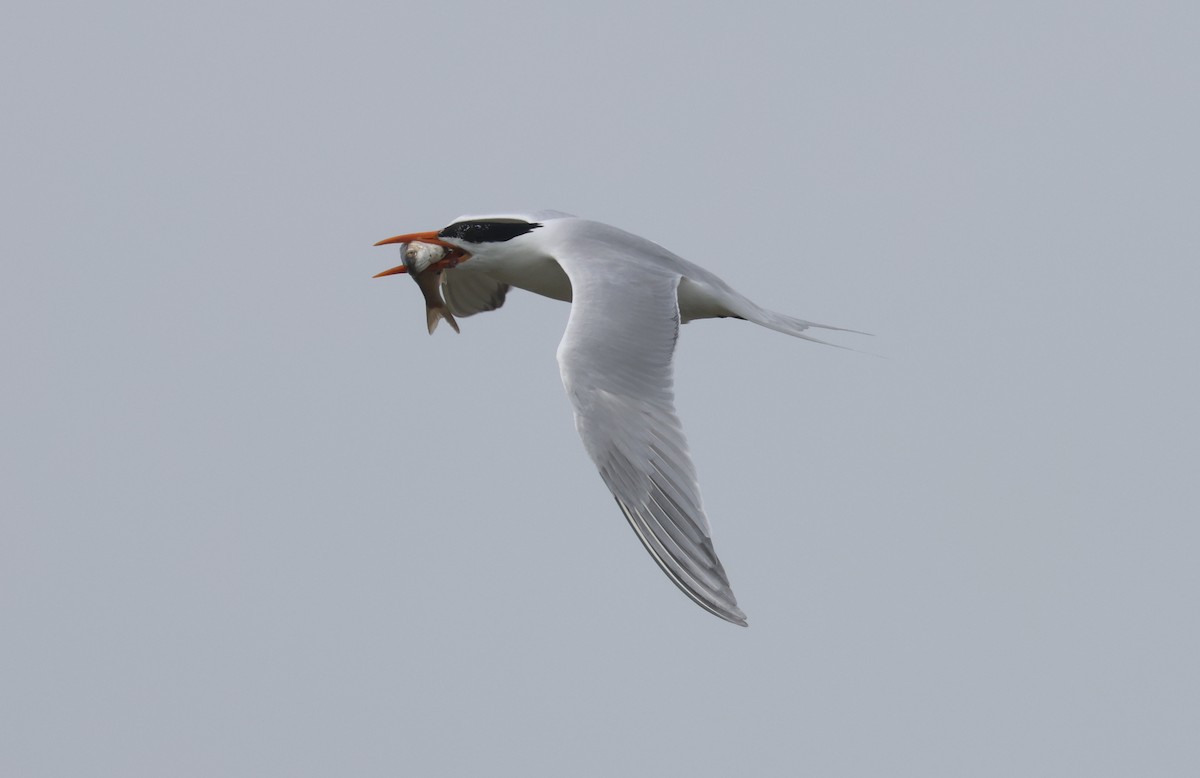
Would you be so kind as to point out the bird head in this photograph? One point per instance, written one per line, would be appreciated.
(478, 236)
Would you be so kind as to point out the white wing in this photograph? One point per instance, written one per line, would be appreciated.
(616, 361)
(469, 292)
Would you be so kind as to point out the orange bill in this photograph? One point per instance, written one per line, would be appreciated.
(454, 254)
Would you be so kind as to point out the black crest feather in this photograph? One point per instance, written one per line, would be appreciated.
(488, 231)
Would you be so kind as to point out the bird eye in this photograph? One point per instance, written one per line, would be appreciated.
(488, 231)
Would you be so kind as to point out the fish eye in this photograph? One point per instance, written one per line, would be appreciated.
(490, 231)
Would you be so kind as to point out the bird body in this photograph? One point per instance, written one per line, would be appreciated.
(628, 297)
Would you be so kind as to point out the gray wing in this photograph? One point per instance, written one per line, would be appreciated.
(469, 292)
(616, 360)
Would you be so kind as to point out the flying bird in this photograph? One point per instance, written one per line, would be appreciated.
(628, 297)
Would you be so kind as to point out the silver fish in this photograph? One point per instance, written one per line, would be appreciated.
(420, 259)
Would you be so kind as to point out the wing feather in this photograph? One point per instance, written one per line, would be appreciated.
(469, 292)
(616, 359)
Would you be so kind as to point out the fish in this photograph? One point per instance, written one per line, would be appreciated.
(423, 262)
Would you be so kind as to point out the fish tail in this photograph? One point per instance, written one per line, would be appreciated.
(435, 314)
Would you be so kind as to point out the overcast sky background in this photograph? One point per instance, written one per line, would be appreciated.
(255, 522)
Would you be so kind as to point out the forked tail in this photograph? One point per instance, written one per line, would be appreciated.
(790, 325)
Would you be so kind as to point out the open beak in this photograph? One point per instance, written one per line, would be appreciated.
(454, 254)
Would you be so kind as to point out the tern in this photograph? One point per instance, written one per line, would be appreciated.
(628, 297)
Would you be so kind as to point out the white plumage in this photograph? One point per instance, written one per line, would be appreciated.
(628, 297)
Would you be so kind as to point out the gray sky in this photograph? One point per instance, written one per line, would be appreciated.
(257, 523)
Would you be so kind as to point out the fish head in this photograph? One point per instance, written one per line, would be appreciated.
(422, 251)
